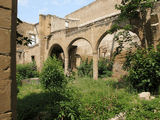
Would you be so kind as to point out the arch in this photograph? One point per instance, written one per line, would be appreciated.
(100, 39)
(76, 39)
(107, 47)
(78, 46)
(53, 46)
(107, 33)
(57, 50)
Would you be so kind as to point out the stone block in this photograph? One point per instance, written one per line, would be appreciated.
(4, 62)
(4, 40)
(6, 74)
(6, 3)
(144, 95)
(5, 93)
(6, 116)
(5, 18)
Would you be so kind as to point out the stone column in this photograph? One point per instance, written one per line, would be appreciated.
(8, 18)
(44, 31)
(155, 29)
(66, 63)
(95, 65)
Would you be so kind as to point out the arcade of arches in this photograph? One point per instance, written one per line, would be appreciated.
(83, 37)
(80, 49)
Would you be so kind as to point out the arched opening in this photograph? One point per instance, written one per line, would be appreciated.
(79, 50)
(107, 44)
(107, 48)
(57, 51)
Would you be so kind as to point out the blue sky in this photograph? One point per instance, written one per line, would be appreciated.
(29, 10)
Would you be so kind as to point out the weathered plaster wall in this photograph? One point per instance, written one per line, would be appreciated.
(25, 53)
(33, 51)
(95, 10)
(27, 29)
(57, 23)
(8, 12)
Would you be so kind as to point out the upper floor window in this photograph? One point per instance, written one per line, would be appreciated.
(66, 24)
(32, 37)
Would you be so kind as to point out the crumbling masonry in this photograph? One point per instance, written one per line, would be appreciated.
(82, 34)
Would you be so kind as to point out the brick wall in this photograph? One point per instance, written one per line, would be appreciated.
(8, 15)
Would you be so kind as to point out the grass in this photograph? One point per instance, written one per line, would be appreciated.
(31, 101)
(97, 100)
(102, 99)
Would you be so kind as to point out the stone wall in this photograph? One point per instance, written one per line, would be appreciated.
(95, 10)
(8, 12)
(155, 23)
(89, 23)
(57, 23)
(25, 54)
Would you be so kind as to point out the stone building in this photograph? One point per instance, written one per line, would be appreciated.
(30, 53)
(80, 35)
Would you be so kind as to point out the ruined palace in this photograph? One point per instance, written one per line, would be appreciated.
(80, 35)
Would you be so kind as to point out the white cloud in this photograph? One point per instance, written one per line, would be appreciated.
(23, 2)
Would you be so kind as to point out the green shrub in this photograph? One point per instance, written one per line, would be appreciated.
(104, 68)
(86, 68)
(144, 70)
(26, 71)
(52, 75)
(18, 79)
(62, 103)
(145, 110)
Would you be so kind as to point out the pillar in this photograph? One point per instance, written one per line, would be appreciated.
(8, 22)
(66, 62)
(95, 65)
(44, 31)
(155, 29)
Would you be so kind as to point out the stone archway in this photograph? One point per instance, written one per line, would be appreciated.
(107, 47)
(57, 51)
(78, 49)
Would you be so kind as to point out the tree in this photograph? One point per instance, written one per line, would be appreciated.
(135, 9)
(130, 10)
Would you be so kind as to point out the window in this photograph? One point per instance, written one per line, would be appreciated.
(32, 37)
(33, 58)
(66, 24)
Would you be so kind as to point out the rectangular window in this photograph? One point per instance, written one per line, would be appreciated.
(66, 24)
(32, 37)
(33, 58)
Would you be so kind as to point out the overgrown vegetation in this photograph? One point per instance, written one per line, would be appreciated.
(26, 71)
(98, 100)
(144, 70)
(52, 75)
(142, 65)
(86, 68)
(104, 68)
(87, 99)
(62, 104)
